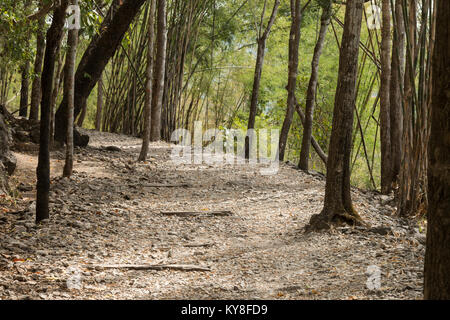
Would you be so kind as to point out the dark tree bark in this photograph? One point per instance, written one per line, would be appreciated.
(437, 259)
(7, 159)
(69, 91)
(82, 115)
(36, 87)
(294, 43)
(58, 80)
(99, 114)
(4, 147)
(262, 39)
(385, 121)
(160, 70)
(338, 206)
(23, 111)
(25, 85)
(312, 87)
(322, 155)
(149, 82)
(397, 74)
(54, 36)
(96, 57)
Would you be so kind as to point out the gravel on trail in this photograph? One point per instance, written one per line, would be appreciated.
(112, 215)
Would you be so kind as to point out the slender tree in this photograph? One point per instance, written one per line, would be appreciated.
(23, 110)
(36, 87)
(312, 87)
(149, 81)
(385, 121)
(99, 114)
(160, 69)
(96, 57)
(54, 35)
(262, 39)
(397, 74)
(58, 81)
(437, 258)
(25, 85)
(294, 43)
(69, 90)
(338, 206)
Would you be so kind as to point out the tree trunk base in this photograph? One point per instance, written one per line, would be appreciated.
(327, 220)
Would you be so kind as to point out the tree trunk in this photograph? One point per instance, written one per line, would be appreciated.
(437, 259)
(294, 43)
(96, 57)
(149, 83)
(7, 159)
(99, 114)
(322, 155)
(262, 39)
(385, 122)
(160, 69)
(338, 206)
(69, 91)
(82, 115)
(23, 111)
(54, 36)
(312, 87)
(36, 93)
(58, 79)
(397, 74)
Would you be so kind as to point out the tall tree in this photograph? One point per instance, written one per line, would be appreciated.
(312, 87)
(412, 193)
(23, 110)
(149, 81)
(261, 41)
(36, 87)
(294, 43)
(437, 259)
(96, 57)
(25, 85)
(54, 35)
(397, 74)
(160, 70)
(99, 114)
(338, 207)
(58, 81)
(69, 89)
(385, 121)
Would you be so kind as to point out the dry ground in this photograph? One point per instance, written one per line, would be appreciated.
(109, 213)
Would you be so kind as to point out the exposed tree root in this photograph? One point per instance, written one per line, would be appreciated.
(327, 220)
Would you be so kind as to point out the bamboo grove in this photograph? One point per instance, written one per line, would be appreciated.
(204, 78)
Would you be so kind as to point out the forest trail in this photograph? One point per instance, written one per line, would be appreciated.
(109, 213)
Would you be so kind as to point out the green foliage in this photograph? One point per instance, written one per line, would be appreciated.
(219, 69)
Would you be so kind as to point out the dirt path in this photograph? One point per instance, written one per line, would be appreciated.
(110, 213)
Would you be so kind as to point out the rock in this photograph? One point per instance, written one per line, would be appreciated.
(421, 238)
(383, 231)
(80, 140)
(35, 135)
(24, 188)
(20, 229)
(384, 199)
(7, 159)
(113, 149)
(21, 136)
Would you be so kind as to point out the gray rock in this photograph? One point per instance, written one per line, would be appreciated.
(383, 231)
